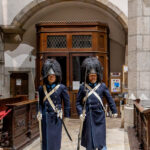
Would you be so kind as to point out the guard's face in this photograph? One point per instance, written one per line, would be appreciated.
(52, 78)
(92, 78)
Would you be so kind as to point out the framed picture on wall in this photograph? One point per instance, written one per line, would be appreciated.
(115, 84)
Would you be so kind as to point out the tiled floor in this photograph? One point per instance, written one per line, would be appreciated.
(117, 139)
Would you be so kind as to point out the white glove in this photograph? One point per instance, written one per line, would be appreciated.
(82, 117)
(39, 116)
(114, 115)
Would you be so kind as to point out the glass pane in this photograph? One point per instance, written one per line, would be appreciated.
(56, 41)
(62, 62)
(77, 62)
(81, 41)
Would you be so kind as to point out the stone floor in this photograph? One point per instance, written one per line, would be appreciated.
(117, 139)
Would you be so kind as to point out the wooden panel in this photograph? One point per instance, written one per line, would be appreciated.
(33, 126)
(42, 42)
(20, 121)
(142, 125)
(73, 96)
(95, 41)
(102, 42)
(21, 87)
(39, 63)
(5, 101)
(104, 62)
(20, 124)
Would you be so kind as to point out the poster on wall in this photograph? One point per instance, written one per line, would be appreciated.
(115, 85)
(18, 82)
(76, 85)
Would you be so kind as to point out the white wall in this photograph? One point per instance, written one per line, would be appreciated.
(10, 8)
(20, 57)
(122, 5)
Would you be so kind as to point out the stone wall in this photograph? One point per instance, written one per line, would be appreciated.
(139, 48)
(138, 52)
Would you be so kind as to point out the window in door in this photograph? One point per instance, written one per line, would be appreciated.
(76, 65)
(56, 41)
(81, 41)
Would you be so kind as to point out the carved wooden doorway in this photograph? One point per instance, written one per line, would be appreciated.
(18, 84)
(70, 43)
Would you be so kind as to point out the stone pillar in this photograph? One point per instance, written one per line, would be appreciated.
(138, 53)
(1, 65)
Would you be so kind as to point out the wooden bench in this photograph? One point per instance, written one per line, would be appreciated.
(20, 126)
(11, 100)
(142, 125)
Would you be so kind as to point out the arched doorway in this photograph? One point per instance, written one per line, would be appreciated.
(70, 43)
(78, 11)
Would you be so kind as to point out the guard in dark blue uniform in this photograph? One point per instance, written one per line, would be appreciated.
(91, 94)
(53, 91)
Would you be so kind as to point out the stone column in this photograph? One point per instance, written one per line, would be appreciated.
(138, 53)
(1, 65)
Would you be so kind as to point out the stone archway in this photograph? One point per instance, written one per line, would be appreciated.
(28, 17)
(34, 6)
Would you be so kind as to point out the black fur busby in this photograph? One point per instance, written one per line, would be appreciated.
(48, 64)
(88, 64)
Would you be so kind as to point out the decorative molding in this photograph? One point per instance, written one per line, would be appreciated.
(12, 34)
(21, 123)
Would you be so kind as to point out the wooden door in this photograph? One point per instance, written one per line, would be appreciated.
(103, 58)
(18, 84)
(76, 60)
(63, 59)
(71, 73)
(70, 43)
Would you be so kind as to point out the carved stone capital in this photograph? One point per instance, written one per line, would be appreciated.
(12, 34)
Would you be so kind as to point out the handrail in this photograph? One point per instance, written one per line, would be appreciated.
(140, 108)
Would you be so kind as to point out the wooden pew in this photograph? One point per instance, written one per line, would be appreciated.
(20, 125)
(142, 125)
(10, 100)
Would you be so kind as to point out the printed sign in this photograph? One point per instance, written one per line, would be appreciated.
(115, 85)
(18, 81)
(76, 85)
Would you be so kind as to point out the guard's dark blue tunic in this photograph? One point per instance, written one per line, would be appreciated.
(51, 124)
(94, 127)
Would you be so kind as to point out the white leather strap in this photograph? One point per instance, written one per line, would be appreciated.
(51, 92)
(92, 91)
(47, 95)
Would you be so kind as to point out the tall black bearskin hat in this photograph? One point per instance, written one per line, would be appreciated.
(51, 64)
(91, 63)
